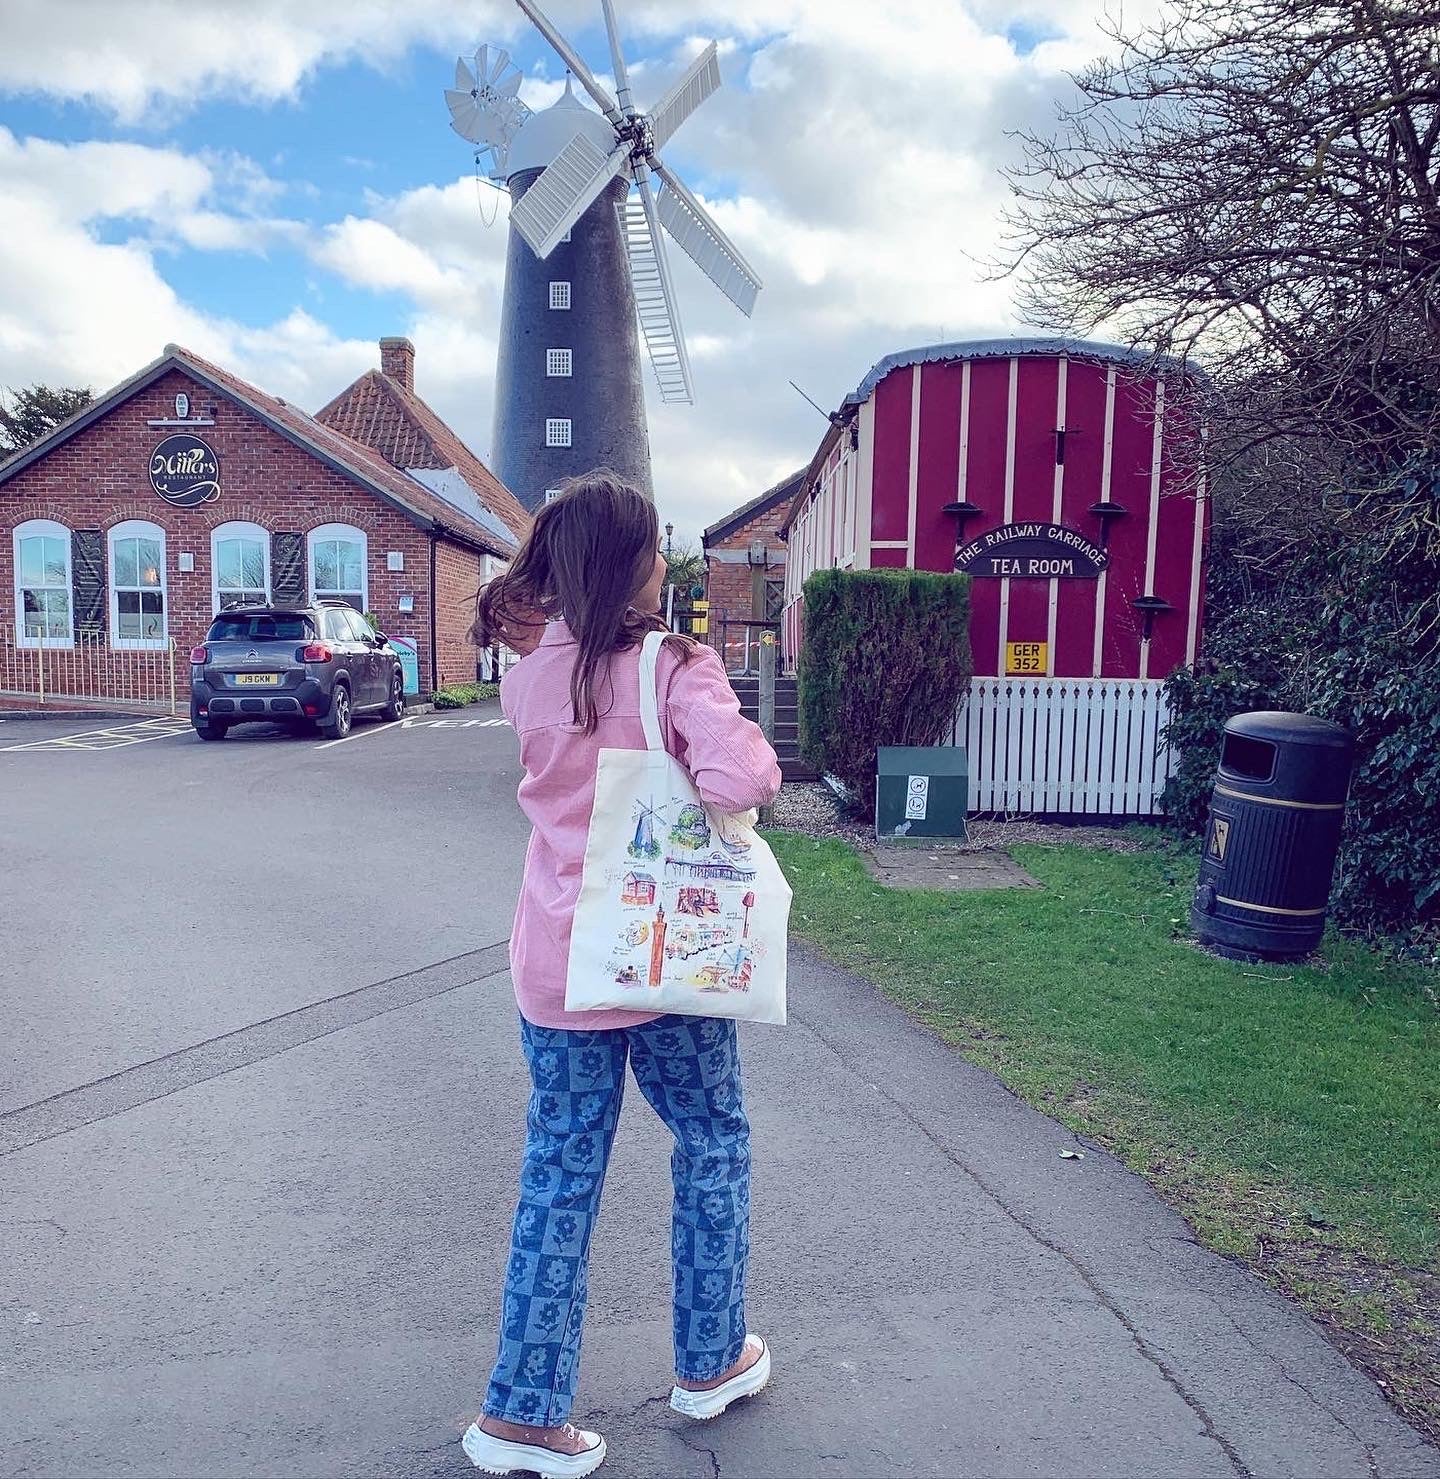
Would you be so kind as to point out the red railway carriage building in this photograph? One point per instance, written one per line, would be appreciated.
(1055, 473)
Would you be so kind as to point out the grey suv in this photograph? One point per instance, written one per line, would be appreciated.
(319, 664)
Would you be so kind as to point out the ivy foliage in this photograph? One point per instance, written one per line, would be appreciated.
(885, 661)
(1348, 629)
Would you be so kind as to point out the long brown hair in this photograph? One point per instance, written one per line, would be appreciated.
(588, 552)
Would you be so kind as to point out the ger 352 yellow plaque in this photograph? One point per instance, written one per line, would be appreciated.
(1026, 659)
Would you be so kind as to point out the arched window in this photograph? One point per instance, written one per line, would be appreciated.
(43, 605)
(137, 585)
(239, 565)
(339, 565)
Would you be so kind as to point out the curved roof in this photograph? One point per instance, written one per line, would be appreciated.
(1115, 354)
(546, 133)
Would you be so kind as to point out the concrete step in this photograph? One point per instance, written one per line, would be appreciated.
(742, 684)
(785, 728)
(750, 692)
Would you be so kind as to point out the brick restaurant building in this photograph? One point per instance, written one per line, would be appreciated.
(123, 530)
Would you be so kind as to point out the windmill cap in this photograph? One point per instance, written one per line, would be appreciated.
(544, 134)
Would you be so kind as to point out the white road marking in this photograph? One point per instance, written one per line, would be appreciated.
(419, 723)
(361, 733)
(110, 739)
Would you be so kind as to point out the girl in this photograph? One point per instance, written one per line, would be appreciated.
(577, 601)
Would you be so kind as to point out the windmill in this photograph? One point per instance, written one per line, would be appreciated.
(485, 106)
(643, 844)
(587, 259)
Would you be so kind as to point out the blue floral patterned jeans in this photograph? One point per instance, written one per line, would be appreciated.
(689, 1070)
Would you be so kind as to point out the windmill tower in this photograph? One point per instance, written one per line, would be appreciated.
(643, 844)
(586, 272)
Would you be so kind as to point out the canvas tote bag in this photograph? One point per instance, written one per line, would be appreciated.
(682, 908)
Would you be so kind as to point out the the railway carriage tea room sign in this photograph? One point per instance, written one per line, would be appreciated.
(185, 471)
(1039, 551)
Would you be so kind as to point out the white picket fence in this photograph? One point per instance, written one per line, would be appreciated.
(1077, 746)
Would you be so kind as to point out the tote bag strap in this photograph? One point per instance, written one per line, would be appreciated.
(649, 706)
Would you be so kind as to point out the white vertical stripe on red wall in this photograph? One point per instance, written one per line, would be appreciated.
(835, 513)
(865, 493)
(847, 522)
(1154, 524)
(963, 477)
(1106, 462)
(1197, 559)
(1009, 505)
(828, 489)
(913, 480)
(1056, 503)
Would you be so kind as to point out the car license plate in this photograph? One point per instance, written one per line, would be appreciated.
(270, 679)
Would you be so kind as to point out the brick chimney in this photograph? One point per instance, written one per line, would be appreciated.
(397, 360)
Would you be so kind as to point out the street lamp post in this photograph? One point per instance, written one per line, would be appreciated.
(669, 577)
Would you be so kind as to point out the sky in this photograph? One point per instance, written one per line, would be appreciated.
(275, 186)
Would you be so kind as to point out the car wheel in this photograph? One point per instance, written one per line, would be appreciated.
(337, 726)
(396, 707)
(212, 731)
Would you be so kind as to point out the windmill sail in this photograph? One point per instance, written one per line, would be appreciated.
(701, 79)
(567, 54)
(654, 298)
(697, 234)
(565, 191)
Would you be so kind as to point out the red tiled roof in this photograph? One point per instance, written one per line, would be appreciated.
(382, 414)
(353, 455)
(349, 456)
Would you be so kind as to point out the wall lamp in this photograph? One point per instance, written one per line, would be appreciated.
(1150, 607)
(1107, 513)
(964, 511)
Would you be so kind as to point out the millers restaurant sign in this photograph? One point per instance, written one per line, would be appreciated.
(184, 471)
(1039, 550)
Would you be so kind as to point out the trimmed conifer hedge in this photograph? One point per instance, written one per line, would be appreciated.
(886, 660)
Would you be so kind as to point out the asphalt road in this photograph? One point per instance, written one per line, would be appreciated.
(261, 1105)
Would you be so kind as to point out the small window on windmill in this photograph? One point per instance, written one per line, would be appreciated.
(557, 431)
(559, 294)
(557, 362)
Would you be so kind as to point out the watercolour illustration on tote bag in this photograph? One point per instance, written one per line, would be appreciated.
(685, 892)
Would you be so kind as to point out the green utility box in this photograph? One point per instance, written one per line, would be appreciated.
(921, 793)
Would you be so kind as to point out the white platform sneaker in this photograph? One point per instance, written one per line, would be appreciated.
(702, 1406)
(492, 1455)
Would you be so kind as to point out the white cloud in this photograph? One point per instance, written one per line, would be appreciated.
(79, 310)
(374, 255)
(132, 56)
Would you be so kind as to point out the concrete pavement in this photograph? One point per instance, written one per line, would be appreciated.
(263, 1234)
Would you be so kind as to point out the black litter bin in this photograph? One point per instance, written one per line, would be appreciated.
(1273, 832)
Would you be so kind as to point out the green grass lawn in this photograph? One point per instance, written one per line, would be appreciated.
(1291, 1112)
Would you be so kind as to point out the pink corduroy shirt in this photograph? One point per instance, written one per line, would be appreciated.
(733, 767)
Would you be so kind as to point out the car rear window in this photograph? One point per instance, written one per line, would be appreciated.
(281, 627)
